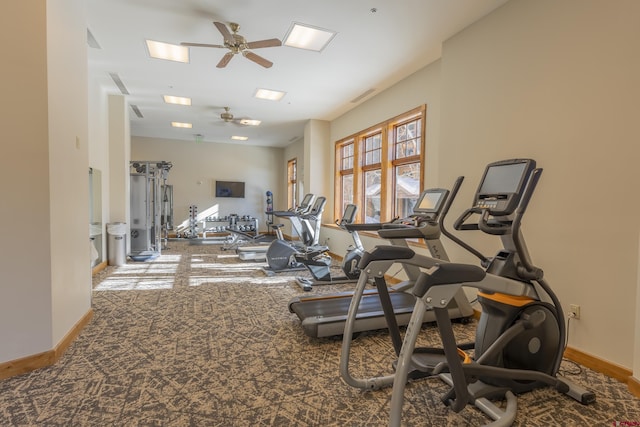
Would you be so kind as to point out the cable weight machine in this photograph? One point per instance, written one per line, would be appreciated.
(148, 207)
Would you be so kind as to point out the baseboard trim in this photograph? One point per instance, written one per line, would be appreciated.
(634, 386)
(48, 358)
(98, 268)
(609, 369)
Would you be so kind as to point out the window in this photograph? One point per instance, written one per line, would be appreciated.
(407, 177)
(381, 168)
(372, 169)
(345, 178)
(292, 183)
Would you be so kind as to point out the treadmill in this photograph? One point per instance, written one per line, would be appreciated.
(325, 315)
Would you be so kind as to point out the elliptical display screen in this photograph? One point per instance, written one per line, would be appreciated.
(430, 201)
(503, 179)
(502, 185)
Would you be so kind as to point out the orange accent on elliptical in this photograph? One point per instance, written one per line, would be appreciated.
(515, 301)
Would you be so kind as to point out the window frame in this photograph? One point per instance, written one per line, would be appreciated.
(292, 183)
(387, 165)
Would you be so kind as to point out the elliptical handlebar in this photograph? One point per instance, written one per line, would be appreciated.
(484, 261)
(526, 269)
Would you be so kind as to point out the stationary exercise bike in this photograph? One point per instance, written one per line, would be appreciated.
(258, 252)
(281, 254)
(520, 337)
(318, 261)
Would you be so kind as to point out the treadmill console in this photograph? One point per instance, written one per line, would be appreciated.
(430, 202)
(423, 222)
(502, 186)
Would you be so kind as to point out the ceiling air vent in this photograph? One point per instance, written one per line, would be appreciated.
(91, 41)
(136, 110)
(118, 82)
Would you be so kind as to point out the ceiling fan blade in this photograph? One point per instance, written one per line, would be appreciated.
(257, 59)
(225, 60)
(200, 44)
(228, 37)
(264, 43)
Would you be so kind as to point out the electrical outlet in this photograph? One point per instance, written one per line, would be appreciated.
(574, 311)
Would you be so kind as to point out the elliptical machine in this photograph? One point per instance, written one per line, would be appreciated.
(318, 261)
(520, 337)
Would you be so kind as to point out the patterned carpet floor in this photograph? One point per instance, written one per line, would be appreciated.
(198, 338)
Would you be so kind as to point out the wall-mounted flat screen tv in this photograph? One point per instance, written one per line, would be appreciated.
(229, 189)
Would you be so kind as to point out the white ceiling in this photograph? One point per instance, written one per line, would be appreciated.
(372, 50)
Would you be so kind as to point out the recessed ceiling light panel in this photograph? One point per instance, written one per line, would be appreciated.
(169, 99)
(308, 37)
(181, 125)
(268, 94)
(170, 52)
(239, 138)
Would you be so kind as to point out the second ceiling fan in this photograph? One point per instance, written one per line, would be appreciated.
(238, 45)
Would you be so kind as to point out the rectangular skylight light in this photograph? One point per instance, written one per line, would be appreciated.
(240, 138)
(181, 125)
(171, 52)
(268, 94)
(308, 37)
(250, 122)
(169, 99)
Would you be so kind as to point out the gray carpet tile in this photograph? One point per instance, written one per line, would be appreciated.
(198, 338)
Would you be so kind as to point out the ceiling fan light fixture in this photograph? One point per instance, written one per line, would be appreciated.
(250, 122)
(170, 52)
(239, 138)
(303, 36)
(179, 100)
(270, 95)
(181, 125)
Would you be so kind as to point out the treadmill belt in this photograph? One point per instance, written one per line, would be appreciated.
(339, 306)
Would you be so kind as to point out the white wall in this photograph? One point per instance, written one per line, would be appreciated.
(558, 81)
(197, 165)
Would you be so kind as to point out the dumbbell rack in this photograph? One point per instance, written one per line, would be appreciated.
(222, 225)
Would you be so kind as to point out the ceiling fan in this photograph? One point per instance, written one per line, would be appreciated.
(237, 44)
(228, 117)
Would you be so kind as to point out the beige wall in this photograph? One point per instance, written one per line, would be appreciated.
(46, 285)
(25, 186)
(294, 150)
(558, 81)
(68, 164)
(422, 87)
(197, 165)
